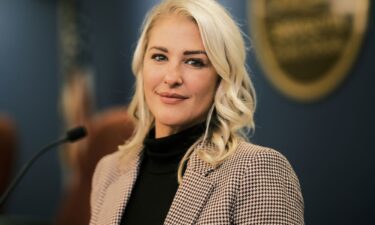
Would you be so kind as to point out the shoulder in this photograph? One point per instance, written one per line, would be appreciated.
(105, 173)
(113, 165)
(268, 184)
(262, 168)
(249, 150)
(250, 155)
(108, 163)
(106, 169)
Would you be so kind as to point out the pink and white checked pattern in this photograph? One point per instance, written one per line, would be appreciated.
(256, 185)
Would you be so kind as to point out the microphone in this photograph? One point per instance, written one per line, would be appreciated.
(71, 136)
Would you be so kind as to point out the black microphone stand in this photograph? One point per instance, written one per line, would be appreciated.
(71, 136)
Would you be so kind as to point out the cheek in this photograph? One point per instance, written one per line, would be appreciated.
(147, 88)
(150, 80)
(147, 84)
(205, 92)
(208, 96)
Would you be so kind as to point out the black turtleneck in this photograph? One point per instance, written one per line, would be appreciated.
(156, 183)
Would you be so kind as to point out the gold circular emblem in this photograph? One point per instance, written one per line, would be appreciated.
(307, 47)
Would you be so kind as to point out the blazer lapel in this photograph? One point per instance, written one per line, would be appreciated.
(192, 193)
(118, 194)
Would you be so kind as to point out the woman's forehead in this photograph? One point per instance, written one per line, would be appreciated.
(175, 31)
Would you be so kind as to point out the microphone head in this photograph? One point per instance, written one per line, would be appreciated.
(76, 134)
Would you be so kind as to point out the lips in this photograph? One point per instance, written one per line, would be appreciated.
(171, 98)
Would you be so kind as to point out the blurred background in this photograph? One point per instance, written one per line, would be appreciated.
(67, 62)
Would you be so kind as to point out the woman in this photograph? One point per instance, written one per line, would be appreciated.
(188, 161)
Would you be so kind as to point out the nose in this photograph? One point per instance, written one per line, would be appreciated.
(173, 76)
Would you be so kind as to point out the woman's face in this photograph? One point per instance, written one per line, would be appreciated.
(179, 79)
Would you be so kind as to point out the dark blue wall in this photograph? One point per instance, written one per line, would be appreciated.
(329, 142)
(28, 92)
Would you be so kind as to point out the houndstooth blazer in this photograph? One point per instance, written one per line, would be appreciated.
(256, 185)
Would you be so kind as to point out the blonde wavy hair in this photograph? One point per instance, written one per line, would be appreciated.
(231, 116)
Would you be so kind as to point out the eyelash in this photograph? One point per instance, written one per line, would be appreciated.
(198, 63)
(157, 57)
(195, 62)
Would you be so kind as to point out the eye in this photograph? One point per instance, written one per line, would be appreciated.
(158, 57)
(198, 63)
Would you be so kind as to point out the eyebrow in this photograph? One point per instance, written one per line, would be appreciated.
(190, 52)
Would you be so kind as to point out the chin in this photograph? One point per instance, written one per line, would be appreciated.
(175, 122)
